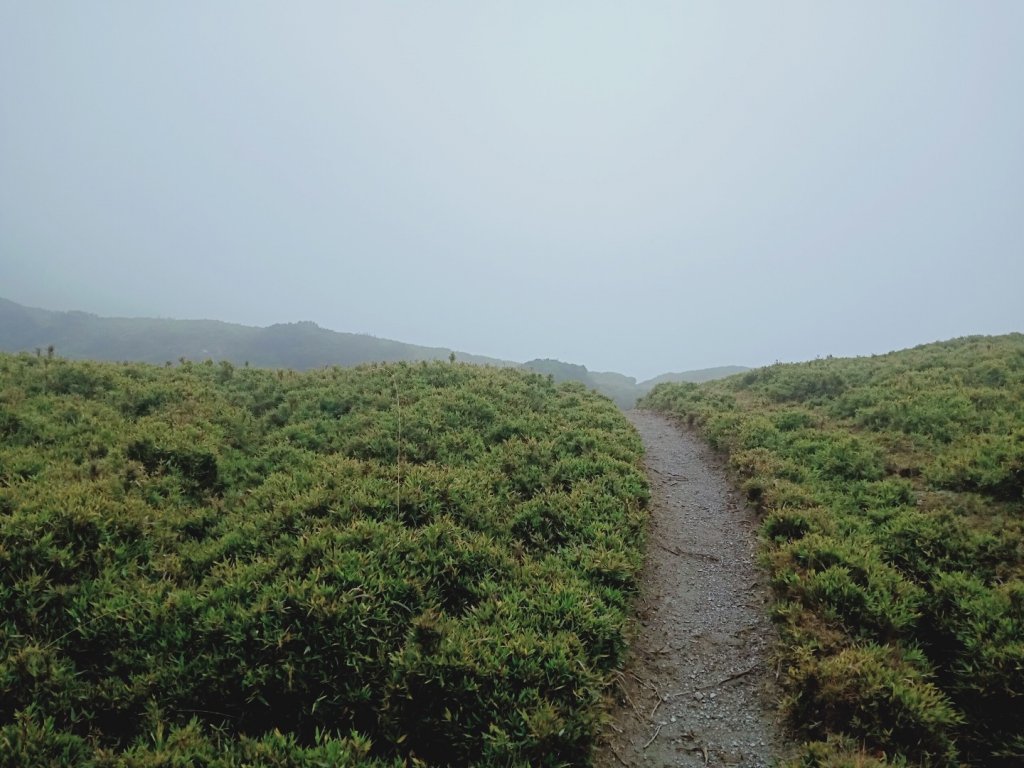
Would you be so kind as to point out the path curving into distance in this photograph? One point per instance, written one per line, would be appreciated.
(698, 688)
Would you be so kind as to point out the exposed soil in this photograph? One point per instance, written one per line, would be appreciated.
(699, 688)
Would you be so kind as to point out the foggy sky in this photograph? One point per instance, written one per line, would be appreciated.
(639, 187)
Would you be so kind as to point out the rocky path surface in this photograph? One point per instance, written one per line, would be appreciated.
(698, 689)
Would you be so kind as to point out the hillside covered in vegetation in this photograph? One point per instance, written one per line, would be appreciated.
(892, 489)
(301, 346)
(623, 390)
(220, 566)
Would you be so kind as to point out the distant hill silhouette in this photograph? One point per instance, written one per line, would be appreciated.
(695, 377)
(624, 390)
(302, 345)
(559, 370)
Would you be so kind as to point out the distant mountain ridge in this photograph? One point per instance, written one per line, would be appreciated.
(695, 377)
(302, 345)
(625, 390)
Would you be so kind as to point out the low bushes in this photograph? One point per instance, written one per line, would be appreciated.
(894, 533)
(388, 565)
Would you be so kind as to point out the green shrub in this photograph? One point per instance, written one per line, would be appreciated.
(202, 565)
(893, 505)
(992, 464)
(873, 694)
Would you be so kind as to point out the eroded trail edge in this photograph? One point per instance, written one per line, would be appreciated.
(699, 688)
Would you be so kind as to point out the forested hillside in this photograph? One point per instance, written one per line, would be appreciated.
(220, 566)
(892, 489)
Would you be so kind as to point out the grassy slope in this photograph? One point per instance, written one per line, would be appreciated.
(893, 494)
(217, 566)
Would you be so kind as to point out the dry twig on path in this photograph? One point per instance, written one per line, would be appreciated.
(618, 756)
(651, 740)
(730, 678)
(645, 683)
(656, 705)
(622, 687)
(687, 553)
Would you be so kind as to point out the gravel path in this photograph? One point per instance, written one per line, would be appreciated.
(698, 688)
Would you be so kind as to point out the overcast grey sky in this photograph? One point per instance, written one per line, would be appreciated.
(633, 186)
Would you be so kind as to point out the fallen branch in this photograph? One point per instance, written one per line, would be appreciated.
(657, 704)
(687, 553)
(648, 685)
(669, 475)
(651, 740)
(621, 680)
(206, 712)
(730, 678)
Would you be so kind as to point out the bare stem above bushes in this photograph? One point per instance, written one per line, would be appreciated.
(398, 463)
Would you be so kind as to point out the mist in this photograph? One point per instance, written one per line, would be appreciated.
(639, 189)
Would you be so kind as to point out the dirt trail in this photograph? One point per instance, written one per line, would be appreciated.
(698, 688)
